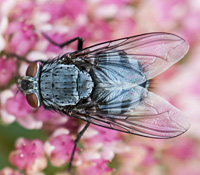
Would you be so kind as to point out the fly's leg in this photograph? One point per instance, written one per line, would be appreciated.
(80, 42)
(18, 57)
(10, 54)
(76, 142)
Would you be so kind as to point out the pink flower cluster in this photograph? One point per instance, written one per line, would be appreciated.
(28, 156)
(100, 151)
(9, 171)
(59, 147)
(23, 32)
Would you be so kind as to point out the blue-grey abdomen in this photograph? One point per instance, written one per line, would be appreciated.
(63, 85)
(117, 78)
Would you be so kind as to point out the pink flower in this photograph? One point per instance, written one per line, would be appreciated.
(191, 26)
(9, 171)
(46, 115)
(104, 135)
(126, 173)
(149, 159)
(166, 9)
(134, 157)
(51, 120)
(183, 149)
(116, 2)
(191, 170)
(128, 26)
(18, 106)
(23, 32)
(111, 7)
(59, 147)
(7, 70)
(97, 167)
(101, 143)
(15, 107)
(28, 156)
(102, 30)
(5, 116)
(24, 7)
(61, 9)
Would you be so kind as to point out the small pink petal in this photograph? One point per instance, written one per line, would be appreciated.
(7, 70)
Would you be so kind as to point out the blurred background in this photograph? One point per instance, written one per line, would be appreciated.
(101, 151)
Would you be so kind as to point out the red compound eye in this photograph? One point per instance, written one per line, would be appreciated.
(31, 70)
(32, 100)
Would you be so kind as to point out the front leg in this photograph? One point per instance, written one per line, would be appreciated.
(18, 57)
(61, 45)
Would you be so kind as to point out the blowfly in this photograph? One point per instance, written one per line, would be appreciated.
(107, 84)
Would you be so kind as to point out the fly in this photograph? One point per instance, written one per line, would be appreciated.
(107, 85)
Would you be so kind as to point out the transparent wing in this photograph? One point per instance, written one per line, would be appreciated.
(120, 68)
(152, 117)
(155, 51)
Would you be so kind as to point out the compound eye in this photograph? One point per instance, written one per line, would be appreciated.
(32, 100)
(31, 70)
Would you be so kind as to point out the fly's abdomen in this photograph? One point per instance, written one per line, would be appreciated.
(117, 77)
(63, 85)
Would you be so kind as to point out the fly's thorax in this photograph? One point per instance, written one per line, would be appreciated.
(62, 85)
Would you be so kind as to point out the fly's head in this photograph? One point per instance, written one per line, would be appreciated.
(29, 85)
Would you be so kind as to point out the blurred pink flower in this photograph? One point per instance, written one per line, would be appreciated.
(43, 114)
(28, 156)
(127, 173)
(193, 170)
(97, 167)
(101, 144)
(107, 9)
(24, 7)
(103, 31)
(9, 171)
(149, 158)
(18, 106)
(59, 147)
(134, 157)
(171, 10)
(5, 116)
(126, 28)
(194, 87)
(7, 70)
(104, 135)
(191, 26)
(23, 32)
(116, 2)
(161, 15)
(58, 10)
(2, 1)
(183, 149)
